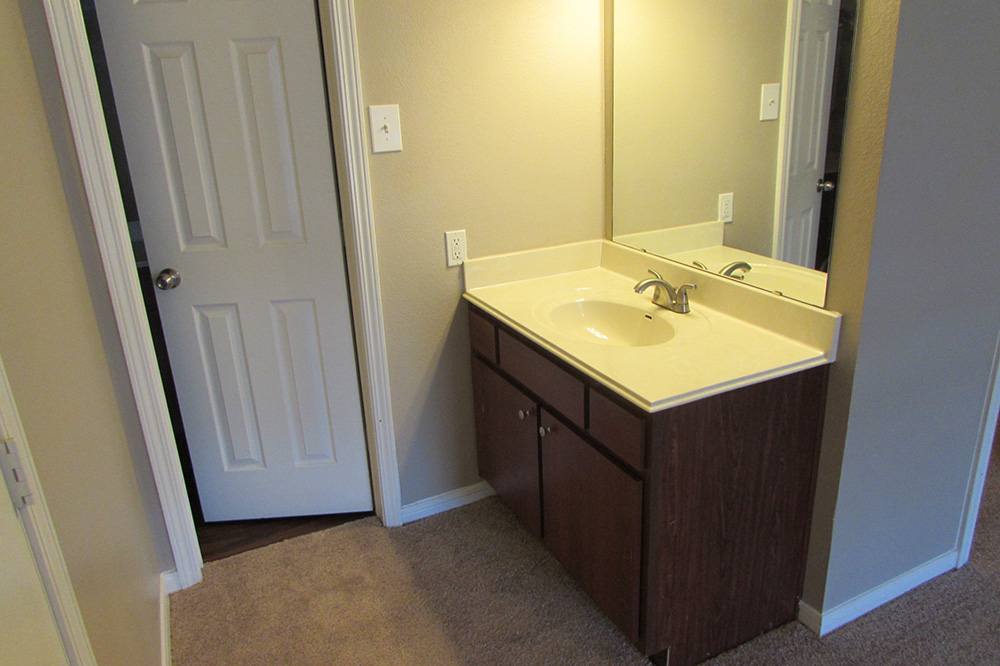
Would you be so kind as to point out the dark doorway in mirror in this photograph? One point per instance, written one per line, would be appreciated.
(835, 132)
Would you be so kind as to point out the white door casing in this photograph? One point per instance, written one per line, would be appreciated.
(224, 118)
(47, 629)
(93, 150)
(30, 636)
(809, 61)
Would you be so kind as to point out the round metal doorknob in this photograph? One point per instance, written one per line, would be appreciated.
(168, 278)
(544, 430)
(825, 186)
(523, 414)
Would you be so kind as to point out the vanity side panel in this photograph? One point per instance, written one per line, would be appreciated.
(730, 501)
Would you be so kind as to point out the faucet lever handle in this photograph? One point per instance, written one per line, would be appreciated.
(655, 274)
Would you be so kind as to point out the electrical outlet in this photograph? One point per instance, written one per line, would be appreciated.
(454, 242)
(726, 207)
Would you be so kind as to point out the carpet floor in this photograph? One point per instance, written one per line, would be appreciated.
(471, 586)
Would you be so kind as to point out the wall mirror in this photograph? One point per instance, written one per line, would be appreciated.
(731, 109)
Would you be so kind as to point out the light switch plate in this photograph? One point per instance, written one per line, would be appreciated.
(386, 136)
(770, 101)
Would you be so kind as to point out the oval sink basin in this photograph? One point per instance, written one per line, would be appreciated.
(611, 323)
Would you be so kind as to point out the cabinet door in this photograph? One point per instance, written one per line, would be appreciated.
(507, 443)
(593, 521)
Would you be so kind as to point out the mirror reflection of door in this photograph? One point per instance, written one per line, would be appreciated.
(835, 129)
(687, 128)
(820, 60)
(222, 109)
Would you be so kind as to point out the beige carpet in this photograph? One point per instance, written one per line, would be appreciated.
(469, 586)
(472, 587)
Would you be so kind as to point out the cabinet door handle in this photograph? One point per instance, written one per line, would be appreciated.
(544, 430)
(523, 414)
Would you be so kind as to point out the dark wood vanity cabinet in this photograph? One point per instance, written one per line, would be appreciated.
(688, 526)
(593, 521)
(507, 443)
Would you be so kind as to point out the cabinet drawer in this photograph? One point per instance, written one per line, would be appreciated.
(552, 384)
(621, 431)
(482, 335)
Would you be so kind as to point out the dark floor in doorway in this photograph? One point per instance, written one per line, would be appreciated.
(222, 539)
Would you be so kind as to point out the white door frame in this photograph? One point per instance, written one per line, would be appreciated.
(977, 477)
(41, 534)
(79, 84)
(785, 125)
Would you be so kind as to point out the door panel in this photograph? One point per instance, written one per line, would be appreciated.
(223, 112)
(813, 82)
(507, 443)
(593, 521)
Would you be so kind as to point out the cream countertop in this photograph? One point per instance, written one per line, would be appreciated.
(734, 336)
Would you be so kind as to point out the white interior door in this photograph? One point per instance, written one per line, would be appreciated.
(812, 81)
(223, 112)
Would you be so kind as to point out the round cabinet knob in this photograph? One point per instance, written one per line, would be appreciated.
(544, 430)
(168, 278)
(825, 186)
(523, 414)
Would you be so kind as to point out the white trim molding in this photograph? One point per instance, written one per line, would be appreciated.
(347, 108)
(97, 168)
(785, 127)
(826, 621)
(446, 501)
(44, 544)
(977, 476)
(166, 658)
(171, 581)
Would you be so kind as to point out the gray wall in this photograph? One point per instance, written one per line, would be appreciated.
(931, 307)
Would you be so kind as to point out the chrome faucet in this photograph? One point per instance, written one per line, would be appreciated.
(665, 295)
(730, 269)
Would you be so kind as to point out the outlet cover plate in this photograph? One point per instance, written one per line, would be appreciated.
(454, 245)
(726, 207)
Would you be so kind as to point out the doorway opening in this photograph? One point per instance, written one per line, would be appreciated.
(835, 130)
(216, 539)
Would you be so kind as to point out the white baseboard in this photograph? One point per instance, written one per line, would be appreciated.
(167, 578)
(445, 501)
(810, 617)
(171, 581)
(825, 622)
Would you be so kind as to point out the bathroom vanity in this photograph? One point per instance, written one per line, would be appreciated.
(666, 460)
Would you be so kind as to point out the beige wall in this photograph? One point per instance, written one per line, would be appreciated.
(40, 43)
(687, 78)
(54, 356)
(501, 105)
(868, 104)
